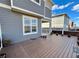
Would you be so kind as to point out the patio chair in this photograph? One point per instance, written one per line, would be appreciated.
(69, 36)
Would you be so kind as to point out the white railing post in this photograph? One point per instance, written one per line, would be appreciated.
(1, 37)
(63, 32)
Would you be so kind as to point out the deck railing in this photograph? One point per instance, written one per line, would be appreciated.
(45, 30)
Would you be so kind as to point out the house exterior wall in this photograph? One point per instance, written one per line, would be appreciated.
(12, 23)
(66, 23)
(58, 22)
(48, 4)
(5, 2)
(12, 26)
(30, 5)
(47, 12)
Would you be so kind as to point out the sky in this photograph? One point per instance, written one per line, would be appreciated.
(69, 7)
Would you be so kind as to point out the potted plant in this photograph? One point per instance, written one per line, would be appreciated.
(6, 42)
(51, 33)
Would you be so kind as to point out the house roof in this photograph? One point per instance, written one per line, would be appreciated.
(61, 15)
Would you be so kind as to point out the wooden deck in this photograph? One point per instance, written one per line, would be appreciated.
(52, 47)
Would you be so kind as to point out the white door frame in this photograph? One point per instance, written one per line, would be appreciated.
(41, 25)
(1, 37)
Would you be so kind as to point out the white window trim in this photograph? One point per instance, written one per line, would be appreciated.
(30, 25)
(36, 2)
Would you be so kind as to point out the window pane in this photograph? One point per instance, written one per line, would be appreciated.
(33, 28)
(26, 21)
(34, 22)
(37, 1)
(27, 29)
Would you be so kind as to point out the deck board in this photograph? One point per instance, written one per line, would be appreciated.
(70, 50)
(74, 53)
(52, 47)
(66, 50)
(62, 50)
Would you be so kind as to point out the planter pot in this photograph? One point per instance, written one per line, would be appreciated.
(78, 38)
(51, 33)
(62, 35)
(77, 56)
(56, 34)
(69, 36)
(3, 55)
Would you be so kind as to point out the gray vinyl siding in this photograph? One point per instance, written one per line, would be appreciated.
(47, 12)
(12, 26)
(5, 2)
(29, 5)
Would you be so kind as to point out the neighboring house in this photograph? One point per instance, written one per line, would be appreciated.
(21, 19)
(72, 26)
(61, 22)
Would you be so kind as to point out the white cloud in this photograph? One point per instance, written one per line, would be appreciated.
(69, 4)
(76, 8)
(62, 6)
(55, 7)
(77, 17)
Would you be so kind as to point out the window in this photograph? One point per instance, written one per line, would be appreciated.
(30, 25)
(34, 25)
(37, 1)
(27, 25)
